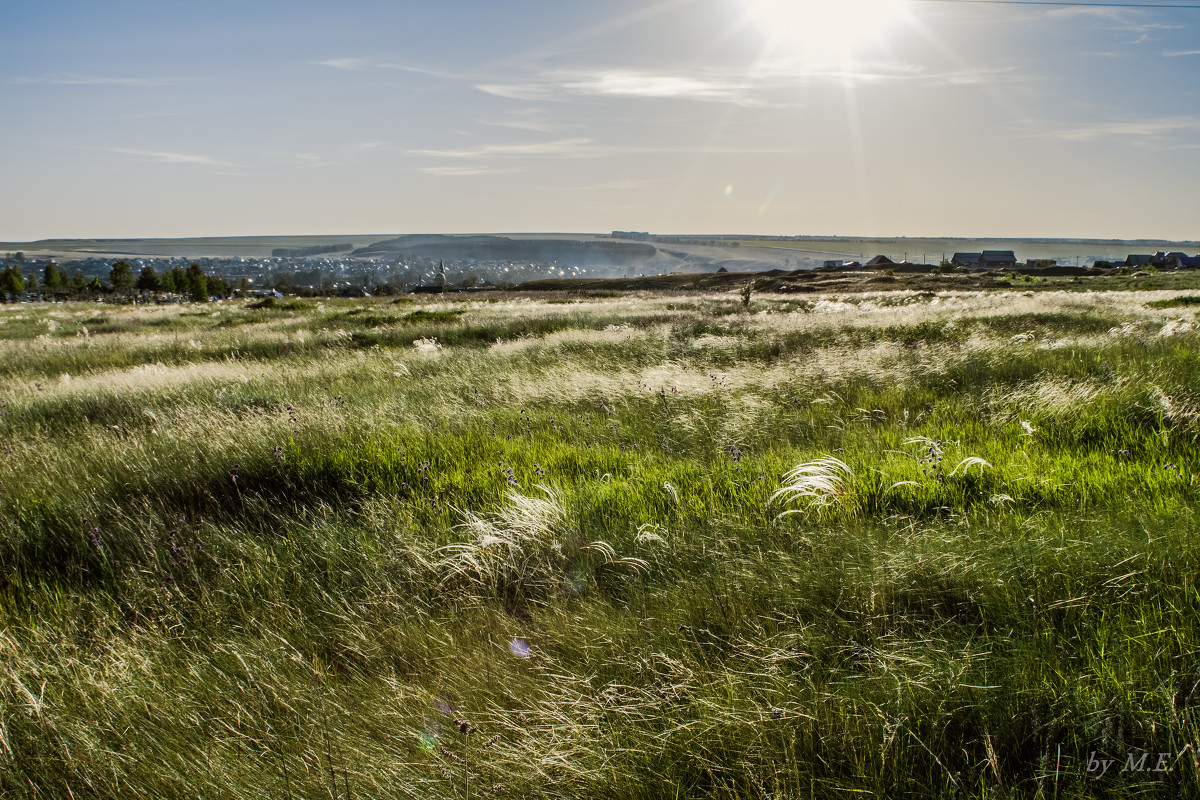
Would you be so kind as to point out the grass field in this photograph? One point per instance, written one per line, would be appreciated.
(891, 544)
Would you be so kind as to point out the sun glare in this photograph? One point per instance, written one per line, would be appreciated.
(826, 31)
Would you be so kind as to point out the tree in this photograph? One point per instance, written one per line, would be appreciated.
(179, 281)
(78, 281)
(197, 284)
(31, 281)
(121, 275)
(53, 278)
(218, 286)
(11, 281)
(148, 281)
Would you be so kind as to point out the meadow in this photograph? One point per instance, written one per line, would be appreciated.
(889, 544)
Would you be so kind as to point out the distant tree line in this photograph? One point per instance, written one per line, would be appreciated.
(191, 283)
(314, 250)
(696, 240)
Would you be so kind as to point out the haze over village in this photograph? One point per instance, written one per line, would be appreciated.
(489, 262)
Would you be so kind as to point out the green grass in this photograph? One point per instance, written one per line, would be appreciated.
(1186, 301)
(433, 316)
(539, 549)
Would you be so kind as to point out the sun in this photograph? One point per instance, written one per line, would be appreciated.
(829, 32)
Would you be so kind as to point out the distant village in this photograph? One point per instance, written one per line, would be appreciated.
(175, 279)
(1007, 259)
(305, 273)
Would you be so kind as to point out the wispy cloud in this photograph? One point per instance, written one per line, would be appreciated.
(620, 83)
(1125, 18)
(366, 147)
(525, 125)
(786, 73)
(529, 119)
(574, 148)
(168, 158)
(766, 84)
(97, 80)
(347, 64)
(1137, 129)
(559, 148)
(464, 171)
(973, 77)
(1072, 12)
(1178, 53)
(358, 64)
(518, 91)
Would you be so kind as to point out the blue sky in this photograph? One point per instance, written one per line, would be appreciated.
(758, 116)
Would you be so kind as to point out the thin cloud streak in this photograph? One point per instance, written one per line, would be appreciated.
(560, 148)
(464, 171)
(618, 83)
(357, 64)
(98, 80)
(1144, 129)
(529, 119)
(631, 84)
(163, 157)
(765, 86)
(583, 148)
(525, 125)
(1123, 19)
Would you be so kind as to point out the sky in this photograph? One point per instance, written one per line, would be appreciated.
(146, 118)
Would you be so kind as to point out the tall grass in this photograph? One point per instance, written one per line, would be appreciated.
(554, 554)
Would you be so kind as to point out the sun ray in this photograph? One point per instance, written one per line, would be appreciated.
(1002, 99)
(859, 155)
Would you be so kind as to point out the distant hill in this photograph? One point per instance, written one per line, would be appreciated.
(314, 250)
(501, 248)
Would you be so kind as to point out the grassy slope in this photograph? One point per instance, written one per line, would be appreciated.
(285, 552)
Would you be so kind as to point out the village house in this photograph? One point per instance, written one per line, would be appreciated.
(997, 259)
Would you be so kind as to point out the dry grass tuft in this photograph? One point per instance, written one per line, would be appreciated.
(818, 484)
